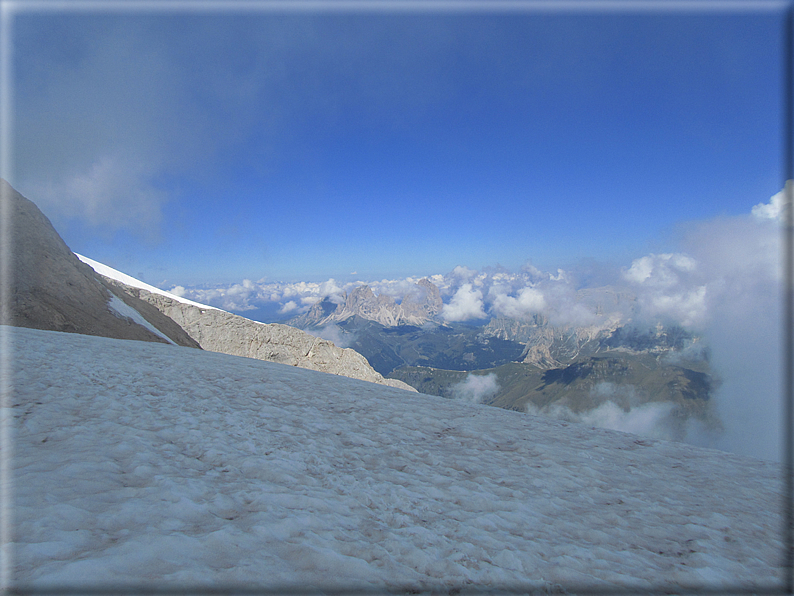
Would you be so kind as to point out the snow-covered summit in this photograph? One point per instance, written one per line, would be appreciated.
(142, 464)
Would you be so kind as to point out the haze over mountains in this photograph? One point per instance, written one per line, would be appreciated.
(653, 381)
(422, 303)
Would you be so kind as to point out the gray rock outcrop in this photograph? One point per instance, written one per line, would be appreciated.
(548, 346)
(51, 289)
(221, 331)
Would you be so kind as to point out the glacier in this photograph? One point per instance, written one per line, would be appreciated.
(136, 464)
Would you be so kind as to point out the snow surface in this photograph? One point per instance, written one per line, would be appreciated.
(141, 463)
(136, 283)
(122, 309)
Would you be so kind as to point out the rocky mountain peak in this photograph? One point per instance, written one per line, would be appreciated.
(423, 301)
(363, 302)
(421, 304)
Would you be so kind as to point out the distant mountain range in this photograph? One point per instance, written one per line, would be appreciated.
(411, 332)
(564, 371)
(420, 305)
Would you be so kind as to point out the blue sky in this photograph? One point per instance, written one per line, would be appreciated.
(205, 147)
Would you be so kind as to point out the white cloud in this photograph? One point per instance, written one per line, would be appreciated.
(396, 288)
(239, 297)
(737, 294)
(466, 304)
(334, 333)
(331, 289)
(112, 193)
(476, 388)
(288, 307)
(671, 288)
(694, 349)
(640, 270)
(530, 301)
(659, 270)
(533, 272)
(649, 420)
(463, 273)
(774, 208)
(564, 305)
(575, 314)
(687, 308)
(653, 420)
(561, 276)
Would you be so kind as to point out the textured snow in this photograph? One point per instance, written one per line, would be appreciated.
(141, 463)
(136, 283)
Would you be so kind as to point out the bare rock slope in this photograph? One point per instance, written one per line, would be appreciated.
(51, 289)
(220, 331)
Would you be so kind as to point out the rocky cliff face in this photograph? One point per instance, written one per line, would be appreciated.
(220, 331)
(549, 346)
(51, 289)
(423, 302)
(417, 307)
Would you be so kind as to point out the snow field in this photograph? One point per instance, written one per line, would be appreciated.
(142, 463)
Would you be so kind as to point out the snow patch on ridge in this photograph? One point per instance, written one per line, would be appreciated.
(135, 283)
(122, 309)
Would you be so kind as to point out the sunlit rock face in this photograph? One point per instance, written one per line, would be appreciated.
(219, 331)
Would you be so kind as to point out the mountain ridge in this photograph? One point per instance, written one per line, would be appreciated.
(54, 289)
(216, 330)
(51, 289)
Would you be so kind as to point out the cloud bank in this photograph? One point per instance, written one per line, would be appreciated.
(466, 304)
(475, 388)
(112, 194)
(652, 420)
